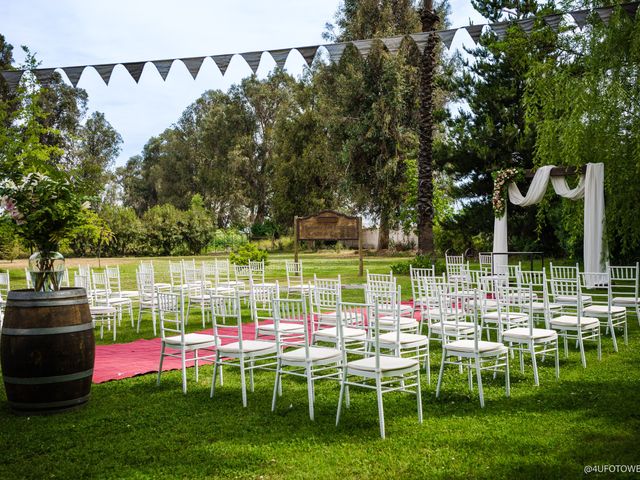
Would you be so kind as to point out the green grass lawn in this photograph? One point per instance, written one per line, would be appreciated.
(134, 429)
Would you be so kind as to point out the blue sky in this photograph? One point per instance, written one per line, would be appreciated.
(79, 32)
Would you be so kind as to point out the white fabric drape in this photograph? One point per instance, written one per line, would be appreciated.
(590, 187)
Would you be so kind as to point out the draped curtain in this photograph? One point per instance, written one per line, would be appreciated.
(590, 187)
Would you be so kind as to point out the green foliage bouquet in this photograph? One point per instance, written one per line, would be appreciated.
(42, 208)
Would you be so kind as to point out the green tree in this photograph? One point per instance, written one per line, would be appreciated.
(98, 145)
(127, 230)
(585, 107)
(164, 229)
(199, 229)
(484, 135)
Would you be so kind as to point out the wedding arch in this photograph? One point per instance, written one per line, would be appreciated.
(590, 187)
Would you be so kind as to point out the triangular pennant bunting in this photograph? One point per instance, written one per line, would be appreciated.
(73, 74)
(335, 51)
(12, 77)
(580, 17)
(475, 32)
(134, 69)
(193, 64)
(308, 53)
(393, 44)
(421, 40)
(280, 56)
(500, 29)
(363, 46)
(252, 59)
(630, 8)
(222, 62)
(163, 67)
(527, 24)
(554, 21)
(44, 75)
(605, 14)
(447, 37)
(105, 71)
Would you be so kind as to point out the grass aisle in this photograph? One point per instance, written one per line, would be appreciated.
(133, 429)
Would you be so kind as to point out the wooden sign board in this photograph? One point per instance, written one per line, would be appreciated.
(329, 225)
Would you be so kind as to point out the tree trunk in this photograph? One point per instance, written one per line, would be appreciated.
(425, 153)
(383, 231)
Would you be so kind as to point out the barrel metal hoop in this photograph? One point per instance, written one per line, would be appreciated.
(45, 380)
(43, 405)
(47, 330)
(47, 303)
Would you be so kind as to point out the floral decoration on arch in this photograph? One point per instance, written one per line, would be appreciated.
(501, 181)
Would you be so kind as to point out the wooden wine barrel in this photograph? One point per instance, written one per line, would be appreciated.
(47, 350)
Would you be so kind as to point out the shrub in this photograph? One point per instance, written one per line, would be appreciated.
(420, 261)
(249, 251)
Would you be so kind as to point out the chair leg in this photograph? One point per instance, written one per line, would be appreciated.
(613, 334)
(214, 375)
(557, 360)
(251, 386)
(534, 362)
(183, 358)
(243, 383)
(479, 376)
(153, 320)
(341, 396)
(444, 354)
(599, 345)
(140, 318)
(419, 395)
(507, 377)
(310, 390)
(276, 387)
(427, 365)
(380, 405)
(581, 345)
(161, 361)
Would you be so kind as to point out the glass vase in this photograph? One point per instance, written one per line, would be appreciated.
(46, 270)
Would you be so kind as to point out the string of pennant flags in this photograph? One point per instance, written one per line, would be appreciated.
(310, 53)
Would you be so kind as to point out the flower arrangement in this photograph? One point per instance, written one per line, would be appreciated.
(501, 180)
(43, 210)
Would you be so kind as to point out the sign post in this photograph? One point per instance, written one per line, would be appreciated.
(329, 225)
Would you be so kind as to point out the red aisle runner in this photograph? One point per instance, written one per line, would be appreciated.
(124, 360)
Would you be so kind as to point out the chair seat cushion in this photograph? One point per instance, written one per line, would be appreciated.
(192, 339)
(347, 332)
(571, 299)
(387, 364)
(405, 322)
(249, 346)
(571, 322)
(523, 333)
(453, 327)
(315, 354)
(539, 306)
(405, 338)
(327, 317)
(603, 310)
(102, 310)
(468, 346)
(283, 327)
(128, 294)
(623, 301)
(505, 316)
(404, 309)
